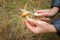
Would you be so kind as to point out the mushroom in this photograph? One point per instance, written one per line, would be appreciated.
(25, 14)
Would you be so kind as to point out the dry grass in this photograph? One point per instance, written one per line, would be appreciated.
(12, 26)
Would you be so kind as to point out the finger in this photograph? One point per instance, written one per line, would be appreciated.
(32, 28)
(45, 19)
(29, 26)
(43, 10)
(32, 21)
(35, 22)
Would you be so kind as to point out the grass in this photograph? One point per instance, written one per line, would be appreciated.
(12, 26)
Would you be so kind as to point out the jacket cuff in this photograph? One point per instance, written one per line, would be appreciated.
(56, 23)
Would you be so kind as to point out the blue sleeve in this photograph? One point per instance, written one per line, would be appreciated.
(55, 3)
(56, 23)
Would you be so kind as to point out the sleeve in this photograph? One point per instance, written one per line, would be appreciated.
(55, 3)
(56, 23)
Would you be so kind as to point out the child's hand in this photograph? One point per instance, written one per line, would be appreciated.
(38, 26)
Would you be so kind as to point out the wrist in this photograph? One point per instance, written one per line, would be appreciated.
(53, 29)
(53, 11)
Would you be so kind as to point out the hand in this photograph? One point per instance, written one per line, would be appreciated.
(42, 13)
(48, 12)
(38, 26)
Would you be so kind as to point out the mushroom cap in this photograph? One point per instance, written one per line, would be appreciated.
(25, 14)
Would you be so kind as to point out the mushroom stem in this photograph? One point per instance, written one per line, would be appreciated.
(27, 17)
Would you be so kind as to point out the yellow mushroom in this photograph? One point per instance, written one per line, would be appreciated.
(25, 14)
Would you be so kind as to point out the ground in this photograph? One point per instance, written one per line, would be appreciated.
(12, 26)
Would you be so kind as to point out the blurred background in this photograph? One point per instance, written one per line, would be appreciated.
(12, 26)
